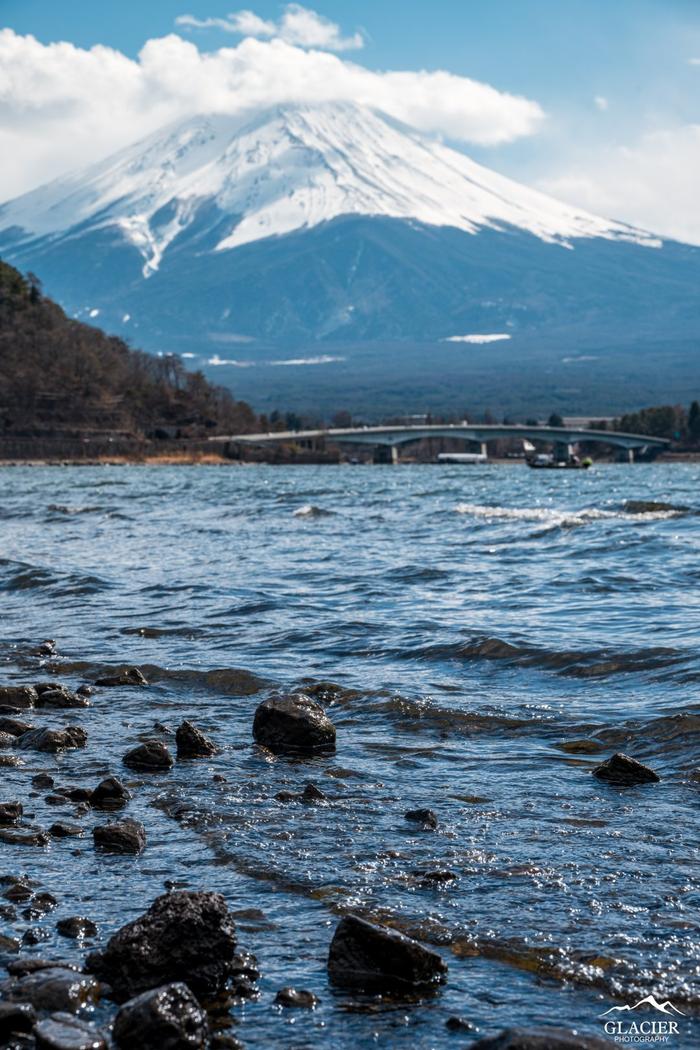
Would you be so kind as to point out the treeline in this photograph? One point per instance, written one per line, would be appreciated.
(58, 374)
(679, 424)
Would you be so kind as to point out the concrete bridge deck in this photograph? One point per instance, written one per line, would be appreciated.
(562, 438)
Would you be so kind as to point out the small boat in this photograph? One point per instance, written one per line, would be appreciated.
(545, 461)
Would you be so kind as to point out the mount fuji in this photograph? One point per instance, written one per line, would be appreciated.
(332, 236)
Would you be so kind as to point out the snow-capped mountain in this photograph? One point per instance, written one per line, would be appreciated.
(335, 223)
(289, 170)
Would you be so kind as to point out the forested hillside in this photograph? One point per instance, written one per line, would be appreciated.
(58, 374)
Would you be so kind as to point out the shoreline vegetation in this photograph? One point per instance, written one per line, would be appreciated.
(69, 393)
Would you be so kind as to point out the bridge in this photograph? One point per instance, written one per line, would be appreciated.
(391, 438)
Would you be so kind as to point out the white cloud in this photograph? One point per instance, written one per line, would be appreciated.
(62, 107)
(694, 61)
(298, 25)
(653, 183)
(601, 103)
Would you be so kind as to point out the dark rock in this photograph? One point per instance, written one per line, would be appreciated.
(19, 892)
(219, 778)
(20, 967)
(43, 780)
(54, 988)
(458, 1024)
(296, 997)
(75, 794)
(167, 1018)
(8, 944)
(63, 1032)
(244, 974)
(6, 739)
(33, 935)
(121, 836)
(85, 690)
(426, 817)
(10, 760)
(541, 1039)
(18, 696)
(24, 838)
(370, 957)
(61, 830)
(8, 913)
(435, 877)
(149, 757)
(288, 796)
(15, 1019)
(76, 926)
(192, 743)
(293, 724)
(10, 812)
(313, 794)
(62, 698)
(42, 903)
(110, 793)
(185, 936)
(224, 1041)
(13, 726)
(621, 769)
(52, 740)
(128, 676)
(46, 648)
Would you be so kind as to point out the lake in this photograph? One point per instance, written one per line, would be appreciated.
(487, 634)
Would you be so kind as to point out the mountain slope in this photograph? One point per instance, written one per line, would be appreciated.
(256, 242)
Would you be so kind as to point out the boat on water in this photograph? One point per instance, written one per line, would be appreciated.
(462, 457)
(545, 461)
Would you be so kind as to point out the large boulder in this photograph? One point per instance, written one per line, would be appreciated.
(621, 769)
(167, 1018)
(293, 724)
(370, 957)
(120, 836)
(150, 757)
(192, 742)
(52, 740)
(542, 1039)
(185, 936)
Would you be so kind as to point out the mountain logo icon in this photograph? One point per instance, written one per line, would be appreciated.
(666, 1007)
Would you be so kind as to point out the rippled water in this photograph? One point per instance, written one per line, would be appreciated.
(490, 633)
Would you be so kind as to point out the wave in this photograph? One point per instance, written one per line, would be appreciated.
(309, 510)
(21, 576)
(569, 518)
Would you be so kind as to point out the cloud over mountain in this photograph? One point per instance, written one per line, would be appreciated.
(63, 106)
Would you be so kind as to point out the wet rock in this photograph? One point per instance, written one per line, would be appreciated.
(52, 740)
(76, 926)
(436, 877)
(13, 726)
(370, 957)
(8, 913)
(24, 838)
(225, 1041)
(621, 769)
(313, 794)
(293, 724)
(34, 935)
(75, 794)
(54, 988)
(288, 796)
(541, 1039)
(46, 648)
(458, 1024)
(426, 817)
(10, 812)
(20, 967)
(42, 903)
(64, 1032)
(8, 944)
(185, 936)
(244, 974)
(121, 836)
(61, 697)
(128, 676)
(19, 892)
(6, 740)
(296, 997)
(18, 696)
(43, 780)
(15, 1019)
(166, 1018)
(85, 690)
(192, 743)
(149, 757)
(61, 830)
(110, 793)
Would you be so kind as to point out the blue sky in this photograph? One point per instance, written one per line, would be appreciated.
(615, 80)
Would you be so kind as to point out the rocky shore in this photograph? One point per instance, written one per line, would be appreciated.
(177, 976)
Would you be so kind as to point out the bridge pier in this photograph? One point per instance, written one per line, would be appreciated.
(483, 448)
